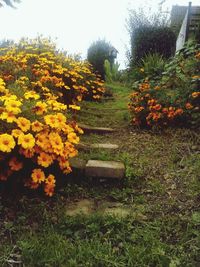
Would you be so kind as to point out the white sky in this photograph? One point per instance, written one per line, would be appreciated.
(75, 23)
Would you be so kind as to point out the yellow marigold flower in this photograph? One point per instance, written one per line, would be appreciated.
(51, 121)
(56, 142)
(23, 124)
(42, 140)
(50, 179)
(7, 142)
(37, 126)
(45, 159)
(73, 138)
(74, 107)
(67, 129)
(16, 133)
(27, 141)
(15, 165)
(8, 116)
(79, 98)
(40, 108)
(13, 106)
(31, 95)
(38, 176)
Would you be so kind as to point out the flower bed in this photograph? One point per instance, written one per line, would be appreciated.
(174, 97)
(37, 88)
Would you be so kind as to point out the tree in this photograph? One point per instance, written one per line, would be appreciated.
(9, 2)
(98, 52)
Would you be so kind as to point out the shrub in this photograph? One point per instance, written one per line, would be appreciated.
(149, 33)
(37, 136)
(174, 98)
(150, 39)
(97, 53)
(48, 70)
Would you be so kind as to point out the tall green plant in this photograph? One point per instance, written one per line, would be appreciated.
(111, 71)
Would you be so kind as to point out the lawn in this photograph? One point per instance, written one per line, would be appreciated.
(160, 197)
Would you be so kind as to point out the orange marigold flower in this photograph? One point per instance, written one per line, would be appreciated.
(188, 106)
(7, 142)
(179, 111)
(45, 159)
(15, 165)
(50, 179)
(49, 189)
(27, 153)
(38, 176)
(195, 94)
(37, 126)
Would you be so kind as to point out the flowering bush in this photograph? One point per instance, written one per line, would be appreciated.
(37, 86)
(174, 97)
(37, 65)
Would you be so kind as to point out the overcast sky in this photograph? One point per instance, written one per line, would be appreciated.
(75, 23)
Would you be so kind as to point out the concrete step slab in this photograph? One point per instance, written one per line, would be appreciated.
(104, 146)
(105, 169)
(85, 146)
(78, 166)
(91, 129)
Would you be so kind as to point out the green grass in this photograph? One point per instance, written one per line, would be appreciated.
(162, 189)
(113, 113)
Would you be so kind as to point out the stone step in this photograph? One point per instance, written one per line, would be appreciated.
(97, 146)
(97, 168)
(105, 169)
(91, 129)
(78, 166)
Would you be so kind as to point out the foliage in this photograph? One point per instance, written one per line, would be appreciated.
(97, 53)
(152, 65)
(149, 34)
(36, 133)
(111, 71)
(172, 99)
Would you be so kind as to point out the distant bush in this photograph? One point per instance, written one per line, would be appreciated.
(146, 40)
(172, 98)
(98, 52)
(149, 34)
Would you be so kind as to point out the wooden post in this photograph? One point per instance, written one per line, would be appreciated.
(188, 22)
